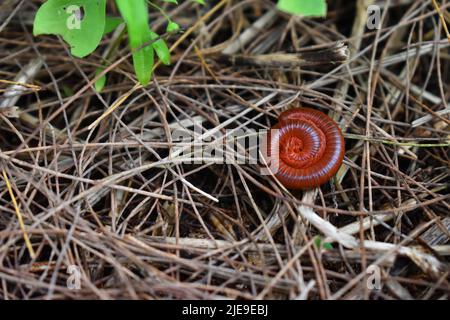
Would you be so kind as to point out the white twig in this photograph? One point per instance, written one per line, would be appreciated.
(13, 92)
(425, 261)
(251, 32)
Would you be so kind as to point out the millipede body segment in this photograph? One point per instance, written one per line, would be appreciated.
(310, 148)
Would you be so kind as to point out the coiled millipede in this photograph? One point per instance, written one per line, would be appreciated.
(310, 148)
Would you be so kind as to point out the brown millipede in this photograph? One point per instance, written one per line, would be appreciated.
(310, 148)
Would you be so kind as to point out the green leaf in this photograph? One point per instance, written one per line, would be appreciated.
(143, 61)
(135, 14)
(161, 48)
(318, 242)
(112, 23)
(327, 246)
(305, 8)
(171, 1)
(322, 245)
(202, 2)
(100, 83)
(62, 17)
(68, 92)
(172, 27)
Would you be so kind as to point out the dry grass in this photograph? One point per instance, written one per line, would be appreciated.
(116, 201)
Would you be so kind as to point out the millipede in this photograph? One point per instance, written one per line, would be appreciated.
(310, 148)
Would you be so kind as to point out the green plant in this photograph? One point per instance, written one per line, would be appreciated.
(306, 8)
(83, 23)
(318, 241)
